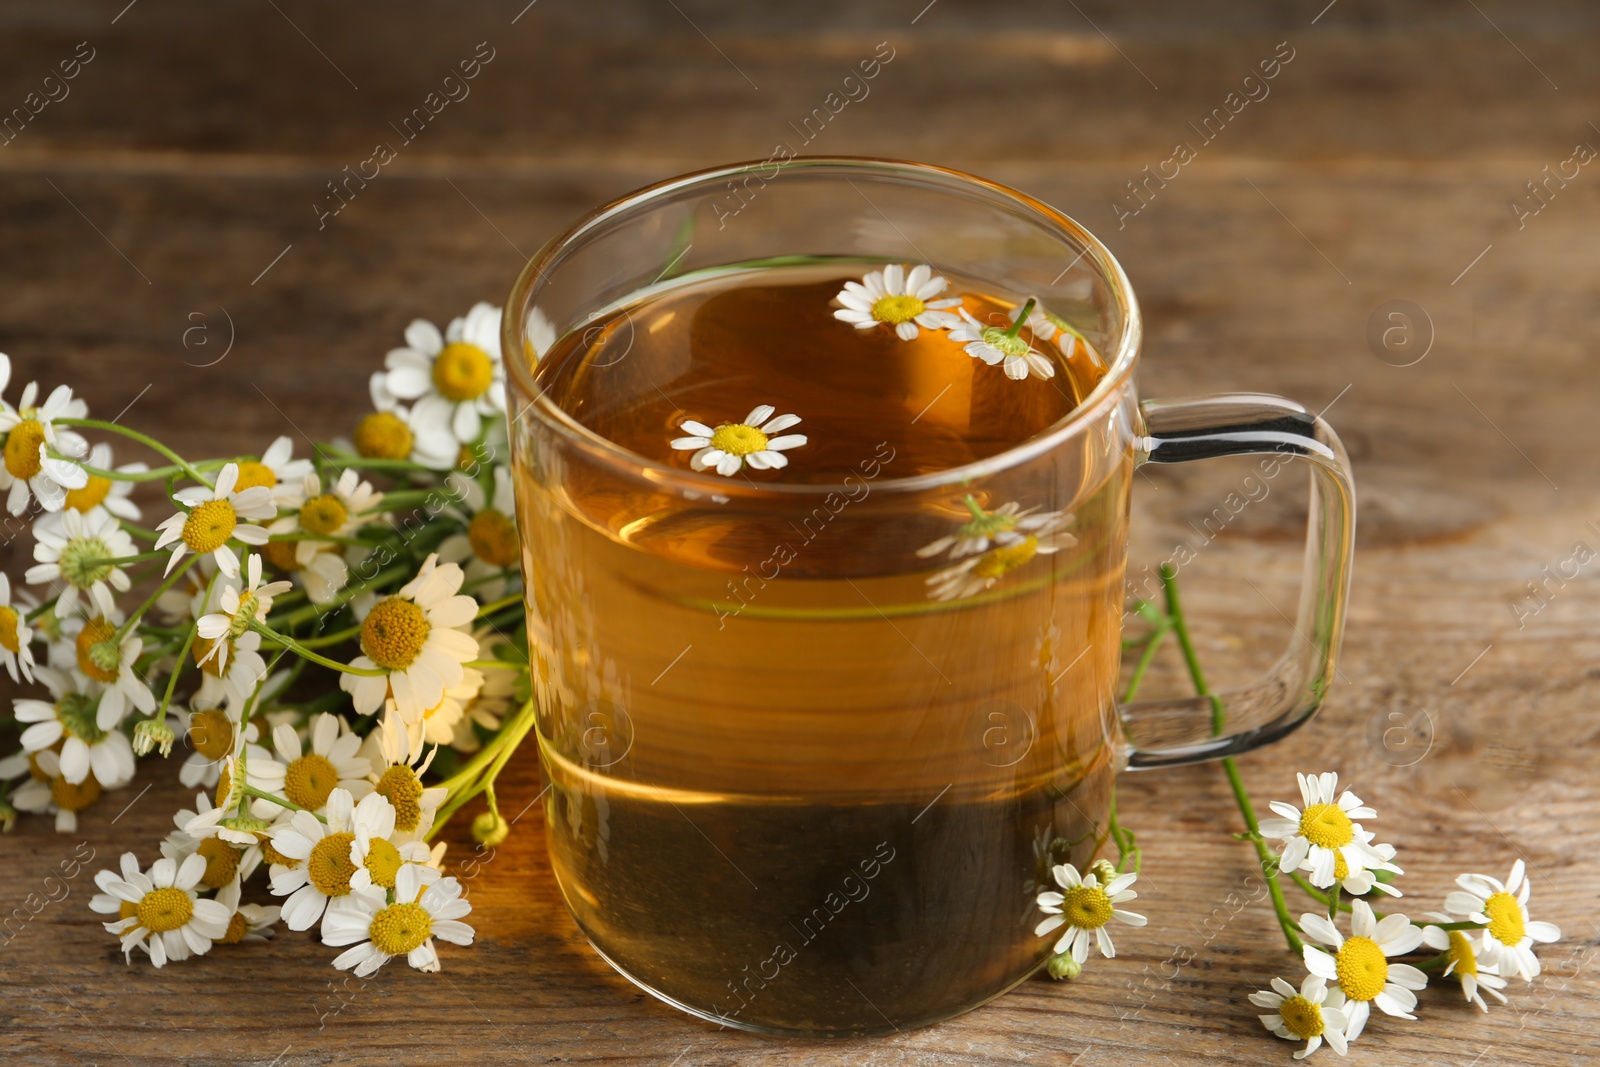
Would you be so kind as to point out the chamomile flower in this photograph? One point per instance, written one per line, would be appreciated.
(1502, 907)
(996, 344)
(322, 576)
(1474, 975)
(1084, 908)
(212, 520)
(391, 433)
(77, 718)
(226, 861)
(490, 704)
(100, 656)
(412, 638)
(233, 816)
(115, 495)
(892, 297)
(78, 550)
(1007, 524)
(400, 781)
(16, 636)
(103, 902)
(277, 470)
(1359, 883)
(1360, 965)
(29, 470)
(210, 733)
(439, 723)
(246, 922)
(1047, 327)
(169, 919)
(454, 380)
(47, 791)
(240, 607)
(426, 906)
(1324, 832)
(488, 546)
(1314, 1014)
(311, 777)
(975, 573)
(324, 850)
(341, 511)
(733, 445)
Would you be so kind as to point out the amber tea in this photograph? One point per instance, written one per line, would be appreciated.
(809, 763)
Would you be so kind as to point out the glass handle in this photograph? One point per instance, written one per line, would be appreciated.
(1166, 733)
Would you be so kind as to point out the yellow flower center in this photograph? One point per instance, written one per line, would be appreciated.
(1341, 869)
(69, 797)
(494, 537)
(99, 665)
(462, 371)
(399, 928)
(323, 514)
(309, 780)
(403, 789)
(22, 449)
(394, 633)
(1302, 1017)
(211, 734)
(897, 309)
(90, 495)
(166, 909)
(271, 855)
(1326, 825)
(34, 770)
(329, 867)
(1461, 954)
(383, 435)
(382, 862)
(1362, 969)
(209, 525)
(127, 909)
(224, 796)
(238, 926)
(280, 554)
(737, 439)
(998, 562)
(1505, 918)
(222, 862)
(253, 474)
(8, 629)
(1085, 907)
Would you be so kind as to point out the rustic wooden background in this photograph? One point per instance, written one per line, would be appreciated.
(168, 207)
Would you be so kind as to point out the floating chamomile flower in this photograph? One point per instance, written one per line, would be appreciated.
(412, 638)
(28, 470)
(80, 551)
(1007, 524)
(891, 297)
(454, 380)
(1360, 965)
(426, 906)
(1084, 907)
(1502, 907)
(732, 445)
(212, 520)
(168, 919)
(976, 573)
(277, 470)
(1047, 327)
(1314, 1014)
(1474, 975)
(997, 344)
(1324, 832)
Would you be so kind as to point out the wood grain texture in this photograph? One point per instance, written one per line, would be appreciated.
(192, 148)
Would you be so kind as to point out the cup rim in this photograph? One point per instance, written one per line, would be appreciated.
(1105, 395)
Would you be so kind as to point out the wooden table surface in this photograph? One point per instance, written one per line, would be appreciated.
(181, 183)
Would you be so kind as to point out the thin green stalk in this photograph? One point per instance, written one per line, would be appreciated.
(1022, 318)
(298, 649)
(178, 462)
(251, 791)
(177, 669)
(1269, 862)
(498, 605)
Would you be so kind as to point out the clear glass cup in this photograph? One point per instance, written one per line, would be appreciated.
(789, 789)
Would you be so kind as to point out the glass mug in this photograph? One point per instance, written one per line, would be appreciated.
(806, 774)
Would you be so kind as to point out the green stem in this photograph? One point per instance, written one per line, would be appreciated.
(178, 462)
(287, 642)
(251, 791)
(332, 639)
(498, 605)
(1022, 318)
(177, 669)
